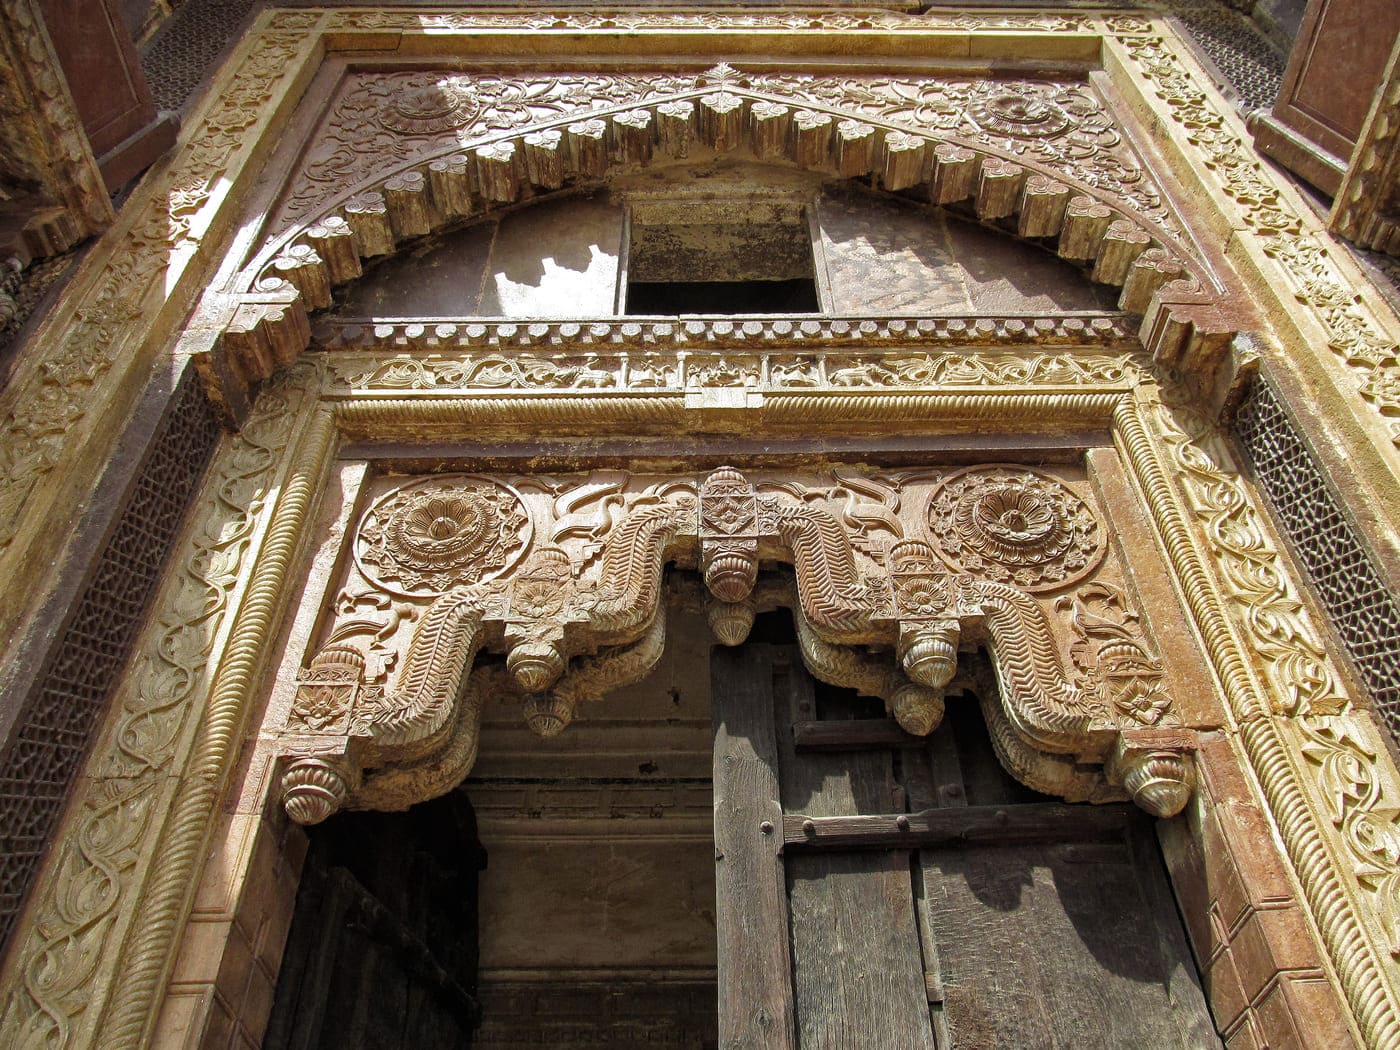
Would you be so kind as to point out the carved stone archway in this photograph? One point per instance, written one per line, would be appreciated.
(1188, 318)
(91, 968)
(444, 567)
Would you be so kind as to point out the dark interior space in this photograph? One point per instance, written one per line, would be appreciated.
(796, 296)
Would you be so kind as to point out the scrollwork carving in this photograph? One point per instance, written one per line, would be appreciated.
(572, 630)
(1110, 656)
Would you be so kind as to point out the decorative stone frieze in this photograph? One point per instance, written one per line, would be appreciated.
(1040, 157)
(431, 586)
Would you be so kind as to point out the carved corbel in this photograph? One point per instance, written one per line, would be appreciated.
(364, 722)
(1050, 774)
(1044, 708)
(314, 787)
(594, 676)
(1156, 767)
(730, 529)
(926, 601)
(633, 558)
(400, 784)
(916, 707)
(731, 622)
(541, 598)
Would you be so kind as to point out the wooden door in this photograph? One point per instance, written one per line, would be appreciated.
(382, 949)
(880, 890)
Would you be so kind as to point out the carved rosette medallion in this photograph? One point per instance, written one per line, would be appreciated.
(1014, 525)
(1019, 115)
(430, 107)
(542, 587)
(423, 538)
(920, 586)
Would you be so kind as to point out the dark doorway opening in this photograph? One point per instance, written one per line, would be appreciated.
(720, 257)
(382, 953)
(796, 296)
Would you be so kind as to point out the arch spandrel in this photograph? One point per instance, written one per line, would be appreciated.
(888, 575)
(1041, 160)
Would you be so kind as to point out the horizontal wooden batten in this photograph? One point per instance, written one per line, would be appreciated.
(854, 734)
(960, 826)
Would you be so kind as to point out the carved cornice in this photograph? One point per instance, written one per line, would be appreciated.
(1043, 160)
(654, 359)
(811, 22)
(960, 333)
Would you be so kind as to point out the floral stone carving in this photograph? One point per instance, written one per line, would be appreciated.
(444, 571)
(1016, 525)
(428, 536)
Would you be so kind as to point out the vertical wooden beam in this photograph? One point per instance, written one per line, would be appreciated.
(858, 972)
(755, 983)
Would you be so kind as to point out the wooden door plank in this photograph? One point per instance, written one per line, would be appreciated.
(755, 986)
(932, 778)
(1183, 983)
(857, 967)
(1053, 946)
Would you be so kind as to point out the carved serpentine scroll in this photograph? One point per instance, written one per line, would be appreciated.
(887, 577)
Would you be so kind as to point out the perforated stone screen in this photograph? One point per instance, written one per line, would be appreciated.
(1365, 615)
(54, 734)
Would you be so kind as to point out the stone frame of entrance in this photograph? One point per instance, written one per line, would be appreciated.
(151, 880)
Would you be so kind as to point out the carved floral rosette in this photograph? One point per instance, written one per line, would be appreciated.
(427, 536)
(1017, 525)
(444, 568)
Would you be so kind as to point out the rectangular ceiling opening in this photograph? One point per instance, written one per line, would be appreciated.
(707, 257)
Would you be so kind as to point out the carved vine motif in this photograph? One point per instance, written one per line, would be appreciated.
(1110, 656)
(1017, 525)
(583, 615)
(117, 809)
